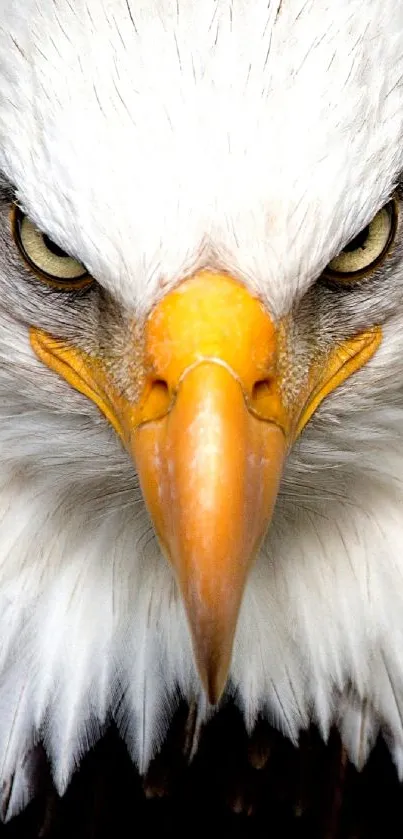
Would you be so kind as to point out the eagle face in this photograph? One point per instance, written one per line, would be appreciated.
(201, 370)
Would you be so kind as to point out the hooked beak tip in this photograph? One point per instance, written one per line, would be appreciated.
(212, 646)
(214, 680)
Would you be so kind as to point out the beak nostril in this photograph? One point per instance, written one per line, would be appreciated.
(261, 390)
(159, 398)
(160, 386)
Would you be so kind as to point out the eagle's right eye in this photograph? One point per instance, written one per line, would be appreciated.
(367, 250)
(45, 258)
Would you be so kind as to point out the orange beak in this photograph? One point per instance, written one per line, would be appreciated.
(209, 472)
(209, 433)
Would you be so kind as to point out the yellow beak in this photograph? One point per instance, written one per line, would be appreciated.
(209, 472)
(209, 432)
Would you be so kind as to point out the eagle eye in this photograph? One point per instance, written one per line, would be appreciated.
(368, 249)
(45, 258)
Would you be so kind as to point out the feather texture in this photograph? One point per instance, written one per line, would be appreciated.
(149, 139)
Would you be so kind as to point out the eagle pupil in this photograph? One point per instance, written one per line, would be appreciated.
(358, 241)
(53, 248)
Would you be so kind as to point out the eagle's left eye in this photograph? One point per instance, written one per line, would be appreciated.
(45, 258)
(368, 249)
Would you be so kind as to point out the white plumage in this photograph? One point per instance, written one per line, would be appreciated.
(150, 140)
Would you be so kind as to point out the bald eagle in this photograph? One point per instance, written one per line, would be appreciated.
(201, 371)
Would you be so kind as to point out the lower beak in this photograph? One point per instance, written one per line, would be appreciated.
(209, 434)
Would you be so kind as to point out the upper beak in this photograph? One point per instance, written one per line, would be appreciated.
(209, 472)
(209, 435)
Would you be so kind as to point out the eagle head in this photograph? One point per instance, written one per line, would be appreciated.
(201, 368)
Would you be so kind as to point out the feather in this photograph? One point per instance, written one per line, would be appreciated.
(252, 138)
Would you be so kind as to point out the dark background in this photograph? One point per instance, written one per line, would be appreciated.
(235, 787)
